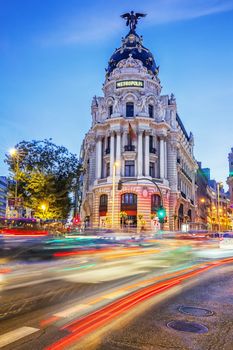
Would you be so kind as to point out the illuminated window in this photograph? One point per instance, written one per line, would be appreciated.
(129, 109)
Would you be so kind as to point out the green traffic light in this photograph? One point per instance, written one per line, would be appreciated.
(161, 213)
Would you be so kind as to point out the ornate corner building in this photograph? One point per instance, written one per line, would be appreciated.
(136, 136)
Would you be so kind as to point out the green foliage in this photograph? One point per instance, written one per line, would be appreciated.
(46, 174)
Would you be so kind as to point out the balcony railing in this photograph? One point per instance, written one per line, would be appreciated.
(153, 150)
(107, 151)
(129, 148)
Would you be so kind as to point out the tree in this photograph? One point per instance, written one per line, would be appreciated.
(46, 175)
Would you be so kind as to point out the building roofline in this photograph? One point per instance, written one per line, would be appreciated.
(182, 126)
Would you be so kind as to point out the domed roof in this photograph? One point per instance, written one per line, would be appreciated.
(132, 47)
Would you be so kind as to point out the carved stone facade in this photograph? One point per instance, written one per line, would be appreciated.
(136, 134)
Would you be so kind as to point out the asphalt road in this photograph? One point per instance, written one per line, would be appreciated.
(72, 306)
(149, 331)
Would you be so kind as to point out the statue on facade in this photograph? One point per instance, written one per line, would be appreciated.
(132, 19)
(143, 104)
(116, 109)
(172, 99)
(160, 111)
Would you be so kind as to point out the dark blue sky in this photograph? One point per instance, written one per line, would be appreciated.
(53, 55)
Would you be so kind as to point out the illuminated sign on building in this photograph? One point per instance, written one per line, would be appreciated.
(129, 83)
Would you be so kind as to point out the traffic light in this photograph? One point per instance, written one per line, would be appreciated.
(161, 213)
(119, 185)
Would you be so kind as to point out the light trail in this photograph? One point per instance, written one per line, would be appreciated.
(91, 322)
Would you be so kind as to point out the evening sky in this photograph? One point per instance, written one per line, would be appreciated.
(53, 55)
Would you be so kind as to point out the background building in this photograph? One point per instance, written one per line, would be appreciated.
(3, 195)
(203, 197)
(230, 177)
(136, 135)
(212, 202)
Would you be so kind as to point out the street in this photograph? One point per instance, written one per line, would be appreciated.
(70, 302)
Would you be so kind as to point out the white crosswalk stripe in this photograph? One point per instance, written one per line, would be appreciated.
(13, 336)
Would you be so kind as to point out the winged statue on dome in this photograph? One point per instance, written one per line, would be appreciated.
(132, 19)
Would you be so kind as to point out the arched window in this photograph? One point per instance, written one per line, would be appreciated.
(103, 205)
(128, 201)
(181, 211)
(110, 111)
(189, 215)
(129, 109)
(151, 111)
(155, 202)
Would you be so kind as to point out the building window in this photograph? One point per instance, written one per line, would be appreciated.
(155, 202)
(108, 169)
(129, 109)
(110, 111)
(151, 145)
(152, 169)
(103, 206)
(129, 168)
(129, 199)
(151, 111)
(151, 142)
(107, 150)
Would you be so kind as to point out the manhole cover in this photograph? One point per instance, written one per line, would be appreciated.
(195, 311)
(184, 326)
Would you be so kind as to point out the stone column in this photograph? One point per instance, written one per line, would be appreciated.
(112, 152)
(172, 145)
(98, 157)
(165, 159)
(161, 158)
(139, 173)
(118, 154)
(147, 155)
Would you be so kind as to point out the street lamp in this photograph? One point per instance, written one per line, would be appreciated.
(14, 153)
(43, 207)
(115, 165)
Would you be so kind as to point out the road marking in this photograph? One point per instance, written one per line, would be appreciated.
(71, 310)
(11, 337)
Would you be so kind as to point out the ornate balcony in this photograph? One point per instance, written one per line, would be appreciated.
(129, 148)
(153, 150)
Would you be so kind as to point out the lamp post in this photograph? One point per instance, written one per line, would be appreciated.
(115, 164)
(14, 153)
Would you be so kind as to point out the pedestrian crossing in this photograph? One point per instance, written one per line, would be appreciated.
(15, 335)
